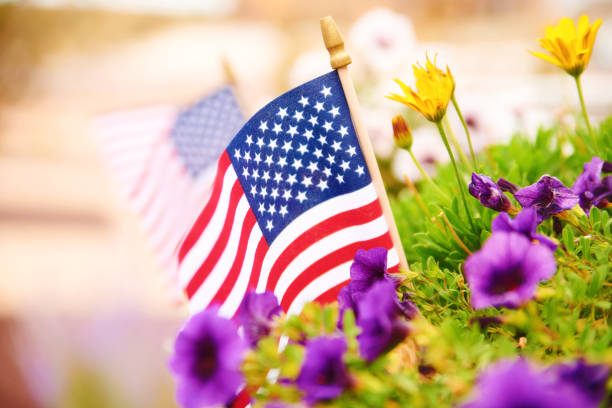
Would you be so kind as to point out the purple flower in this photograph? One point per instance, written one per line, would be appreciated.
(507, 186)
(489, 193)
(345, 301)
(516, 383)
(525, 223)
(407, 307)
(206, 360)
(369, 267)
(380, 320)
(590, 187)
(256, 314)
(506, 270)
(590, 380)
(323, 374)
(276, 404)
(548, 196)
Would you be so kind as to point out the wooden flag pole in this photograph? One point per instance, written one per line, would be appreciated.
(228, 72)
(340, 60)
(230, 77)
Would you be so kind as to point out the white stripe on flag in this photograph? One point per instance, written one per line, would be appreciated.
(307, 220)
(209, 287)
(326, 245)
(229, 308)
(320, 285)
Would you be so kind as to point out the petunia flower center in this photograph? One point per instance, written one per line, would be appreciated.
(546, 197)
(327, 376)
(507, 281)
(206, 364)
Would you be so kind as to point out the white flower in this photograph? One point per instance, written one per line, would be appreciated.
(383, 40)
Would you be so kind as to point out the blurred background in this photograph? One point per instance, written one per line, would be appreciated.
(87, 315)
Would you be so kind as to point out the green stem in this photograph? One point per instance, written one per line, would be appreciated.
(455, 142)
(425, 176)
(465, 127)
(459, 183)
(584, 111)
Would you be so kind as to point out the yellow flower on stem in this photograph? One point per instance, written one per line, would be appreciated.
(434, 90)
(570, 46)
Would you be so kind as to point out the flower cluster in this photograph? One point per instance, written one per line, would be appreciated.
(506, 271)
(548, 196)
(543, 262)
(209, 351)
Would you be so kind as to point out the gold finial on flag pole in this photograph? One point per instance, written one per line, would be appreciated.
(339, 59)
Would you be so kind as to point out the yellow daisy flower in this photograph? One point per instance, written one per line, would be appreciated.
(570, 46)
(435, 88)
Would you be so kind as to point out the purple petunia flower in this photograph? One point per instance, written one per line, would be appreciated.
(323, 375)
(516, 383)
(382, 326)
(590, 380)
(590, 187)
(548, 196)
(206, 362)
(369, 267)
(525, 223)
(506, 270)
(256, 313)
(345, 302)
(489, 193)
(407, 307)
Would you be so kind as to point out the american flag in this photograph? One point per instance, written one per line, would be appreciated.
(291, 203)
(164, 160)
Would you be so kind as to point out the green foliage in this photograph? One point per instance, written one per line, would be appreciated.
(438, 363)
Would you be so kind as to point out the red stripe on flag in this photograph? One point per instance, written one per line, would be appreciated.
(209, 209)
(242, 399)
(393, 269)
(331, 295)
(328, 262)
(167, 202)
(260, 253)
(148, 165)
(217, 250)
(326, 227)
(232, 276)
(157, 181)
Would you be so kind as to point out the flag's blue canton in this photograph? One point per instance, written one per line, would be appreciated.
(202, 131)
(298, 151)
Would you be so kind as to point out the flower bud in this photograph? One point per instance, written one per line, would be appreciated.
(401, 132)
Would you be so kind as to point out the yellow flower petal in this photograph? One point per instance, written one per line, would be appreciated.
(570, 45)
(434, 89)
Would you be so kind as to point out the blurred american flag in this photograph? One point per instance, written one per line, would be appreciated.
(163, 159)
